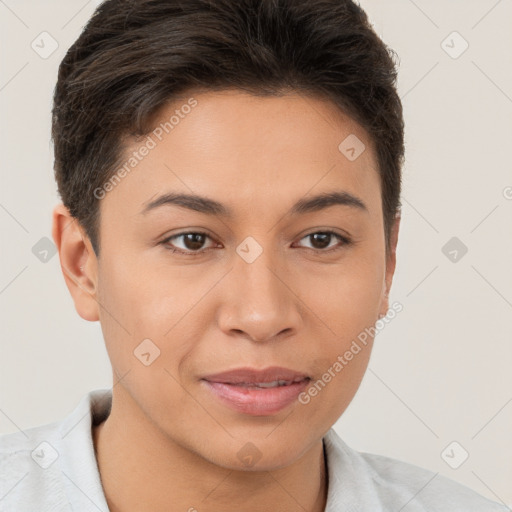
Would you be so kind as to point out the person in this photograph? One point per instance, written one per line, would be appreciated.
(230, 175)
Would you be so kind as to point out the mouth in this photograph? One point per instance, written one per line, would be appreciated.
(265, 385)
(257, 392)
(271, 376)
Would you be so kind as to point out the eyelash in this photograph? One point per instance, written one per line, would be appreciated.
(345, 242)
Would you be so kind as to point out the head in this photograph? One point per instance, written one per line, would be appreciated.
(284, 117)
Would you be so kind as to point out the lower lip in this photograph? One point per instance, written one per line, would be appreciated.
(257, 401)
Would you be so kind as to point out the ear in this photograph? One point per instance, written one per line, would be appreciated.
(78, 262)
(390, 266)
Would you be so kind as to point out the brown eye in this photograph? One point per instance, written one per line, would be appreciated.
(320, 240)
(192, 242)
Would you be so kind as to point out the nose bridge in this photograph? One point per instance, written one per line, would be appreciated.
(260, 285)
(262, 305)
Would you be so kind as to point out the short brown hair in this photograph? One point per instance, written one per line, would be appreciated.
(133, 56)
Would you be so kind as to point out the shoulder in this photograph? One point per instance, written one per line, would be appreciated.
(392, 484)
(424, 489)
(53, 466)
(30, 478)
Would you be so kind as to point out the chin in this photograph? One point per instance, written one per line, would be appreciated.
(262, 452)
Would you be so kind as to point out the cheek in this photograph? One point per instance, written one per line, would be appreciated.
(138, 305)
(345, 306)
(346, 297)
(137, 296)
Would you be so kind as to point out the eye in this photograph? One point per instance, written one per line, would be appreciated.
(322, 239)
(192, 240)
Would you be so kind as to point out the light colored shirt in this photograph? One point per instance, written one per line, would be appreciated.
(53, 468)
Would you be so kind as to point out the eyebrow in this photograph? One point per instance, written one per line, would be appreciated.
(209, 206)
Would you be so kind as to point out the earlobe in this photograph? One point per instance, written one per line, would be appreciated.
(78, 262)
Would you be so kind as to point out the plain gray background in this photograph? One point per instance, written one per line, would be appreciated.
(440, 371)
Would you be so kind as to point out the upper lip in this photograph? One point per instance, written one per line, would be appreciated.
(252, 375)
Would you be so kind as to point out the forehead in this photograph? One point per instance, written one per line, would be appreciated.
(250, 152)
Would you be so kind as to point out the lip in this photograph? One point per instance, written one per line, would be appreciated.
(251, 375)
(231, 388)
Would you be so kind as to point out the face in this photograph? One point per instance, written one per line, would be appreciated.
(254, 281)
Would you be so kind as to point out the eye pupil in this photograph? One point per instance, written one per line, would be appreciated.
(197, 240)
(325, 239)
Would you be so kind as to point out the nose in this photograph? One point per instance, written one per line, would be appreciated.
(260, 302)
